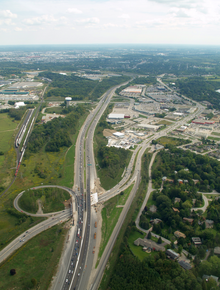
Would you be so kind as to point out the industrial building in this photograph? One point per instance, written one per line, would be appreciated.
(119, 134)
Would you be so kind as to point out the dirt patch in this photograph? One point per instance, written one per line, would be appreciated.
(67, 203)
(97, 187)
(40, 211)
(108, 132)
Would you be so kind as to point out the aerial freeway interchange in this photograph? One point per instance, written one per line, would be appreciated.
(77, 269)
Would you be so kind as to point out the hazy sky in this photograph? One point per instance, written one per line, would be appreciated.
(109, 21)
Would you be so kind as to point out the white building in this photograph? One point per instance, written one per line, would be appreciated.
(116, 116)
(119, 134)
(19, 104)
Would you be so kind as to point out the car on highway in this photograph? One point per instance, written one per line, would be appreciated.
(66, 280)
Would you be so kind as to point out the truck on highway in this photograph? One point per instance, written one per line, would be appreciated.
(95, 224)
(94, 235)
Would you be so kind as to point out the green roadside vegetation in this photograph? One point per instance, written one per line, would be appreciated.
(128, 224)
(111, 161)
(110, 215)
(35, 262)
(213, 138)
(51, 199)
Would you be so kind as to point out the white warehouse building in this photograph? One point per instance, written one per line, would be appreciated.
(116, 116)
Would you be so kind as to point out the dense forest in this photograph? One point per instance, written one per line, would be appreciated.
(79, 88)
(56, 133)
(200, 89)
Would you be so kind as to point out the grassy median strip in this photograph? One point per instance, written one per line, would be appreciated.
(110, 214)
(35, 262)
(130, 218)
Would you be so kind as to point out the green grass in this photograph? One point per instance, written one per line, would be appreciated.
(137, 250)
(7, 123)
(110, 215)
(213, 138)
(131, 216)
(51, 199)
(164, 122)
(143, 116)
(36, 259)
(10, 227)
(5, 140)
(150, 200)
(174, 141)
(56, 110)
(216, 133)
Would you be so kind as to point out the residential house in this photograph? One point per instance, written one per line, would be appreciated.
(153, 208)
(209, 224)
(177, 199)
(217, 250)
(196, 241)
(190, 221)
(175, 209)
(178, 235)
(185, 265)
(171, 254)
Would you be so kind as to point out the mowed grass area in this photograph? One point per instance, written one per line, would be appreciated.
(37, 259)
(51, 199)
(173, 141)
(110, 215)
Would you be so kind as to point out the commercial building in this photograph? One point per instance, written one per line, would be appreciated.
(172, 255)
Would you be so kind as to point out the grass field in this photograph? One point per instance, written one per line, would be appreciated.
(11, 227)
(137, 250)
(174, 141)
(110, 215)
(51, 199)
(37, 259)
(164, 122)
(7, 123)
(56, 110)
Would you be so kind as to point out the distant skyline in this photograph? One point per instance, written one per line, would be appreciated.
(110, 21)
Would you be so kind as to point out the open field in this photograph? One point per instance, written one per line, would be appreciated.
(51, 200)
(37, 260)
(213, 138)
(7, 123)
(173, 141)
(52, 110)
(164, 122)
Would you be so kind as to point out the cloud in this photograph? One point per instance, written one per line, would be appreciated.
(124, 16)
(18, 29)
(93, 20)
(7, 14)
(44, 19)
(74, 11)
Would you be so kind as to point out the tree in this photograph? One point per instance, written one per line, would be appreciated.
(12, 272)
(159, 240)
(149, 235)
(180, 248)
(34, 282)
